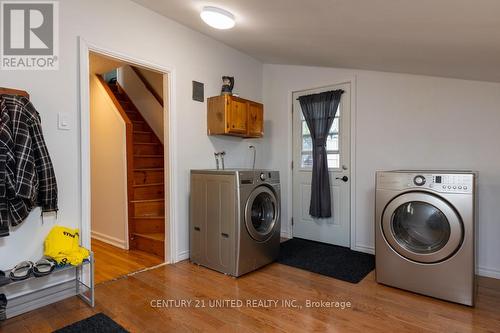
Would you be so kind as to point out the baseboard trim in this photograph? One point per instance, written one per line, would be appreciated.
(122, 244)
(488, 272)
(363, 248)
(183, 255)
(286, 234)
(43, 296)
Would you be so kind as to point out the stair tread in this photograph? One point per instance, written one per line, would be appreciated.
(149, 155)
(144, 132)
(148, 200)
(152, 217)
(153, 236)
(148, 169)
(147, 143)
(150, 184)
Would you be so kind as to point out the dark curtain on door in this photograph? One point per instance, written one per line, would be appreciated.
(319, 112)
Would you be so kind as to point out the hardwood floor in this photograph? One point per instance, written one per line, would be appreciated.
(374, 308)
(112, 262)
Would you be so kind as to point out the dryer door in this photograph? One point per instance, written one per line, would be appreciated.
(261, 213)
(422, 227)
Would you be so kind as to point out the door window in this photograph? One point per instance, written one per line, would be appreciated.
(263, 213)
(332, 144)
(420, 227)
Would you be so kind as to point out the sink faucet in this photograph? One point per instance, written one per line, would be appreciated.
(216, 155)
(221, 156)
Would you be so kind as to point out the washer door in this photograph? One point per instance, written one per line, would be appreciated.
(422, 227)
(261, 213)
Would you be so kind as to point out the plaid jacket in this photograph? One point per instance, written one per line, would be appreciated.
(27, 177)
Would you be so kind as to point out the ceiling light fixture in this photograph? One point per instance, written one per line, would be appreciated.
(217, 18)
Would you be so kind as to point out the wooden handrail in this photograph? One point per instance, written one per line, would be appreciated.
(148, 86)
(115, 101)
(129, 132)
(9, 91)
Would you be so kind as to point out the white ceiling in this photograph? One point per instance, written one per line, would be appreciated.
(451, 38)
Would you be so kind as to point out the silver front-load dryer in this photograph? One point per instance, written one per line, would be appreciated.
(425, 232)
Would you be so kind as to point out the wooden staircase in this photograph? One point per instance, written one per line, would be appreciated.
(146, 188)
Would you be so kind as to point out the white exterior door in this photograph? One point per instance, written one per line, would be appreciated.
(334, 230)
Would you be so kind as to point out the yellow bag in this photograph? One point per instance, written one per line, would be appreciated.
(62, 244)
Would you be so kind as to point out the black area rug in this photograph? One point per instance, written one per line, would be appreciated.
(99, 323)
(331, 260)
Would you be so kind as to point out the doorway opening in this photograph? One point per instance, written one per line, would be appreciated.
(335, 230)
(128, 169)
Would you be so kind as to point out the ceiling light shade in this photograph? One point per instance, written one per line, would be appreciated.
(217, 18)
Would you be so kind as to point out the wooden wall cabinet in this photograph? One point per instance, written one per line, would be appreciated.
(229, 115)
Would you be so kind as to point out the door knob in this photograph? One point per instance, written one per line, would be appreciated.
(344, 178)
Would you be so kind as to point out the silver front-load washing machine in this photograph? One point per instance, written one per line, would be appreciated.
(425, 232)
(234, 219)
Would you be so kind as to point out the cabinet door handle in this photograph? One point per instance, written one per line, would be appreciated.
(197, 228)
(225, 235)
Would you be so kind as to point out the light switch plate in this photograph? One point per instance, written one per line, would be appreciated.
(63, 121)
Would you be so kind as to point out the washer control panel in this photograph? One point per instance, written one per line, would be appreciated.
(419, 180)
(442, 182)
(252, 177)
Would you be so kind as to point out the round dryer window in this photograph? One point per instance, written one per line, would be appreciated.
(422, 227)
(261, 213)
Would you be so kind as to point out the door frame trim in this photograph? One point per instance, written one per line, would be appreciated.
(85, 47)
(288, 233)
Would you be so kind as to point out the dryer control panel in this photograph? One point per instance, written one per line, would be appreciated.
(439, 182)
(451, 183)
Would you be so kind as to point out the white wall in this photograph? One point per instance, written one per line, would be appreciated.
(108, 168)
(192, 55)
(402, 121)
(154, 79)
(142, 98)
